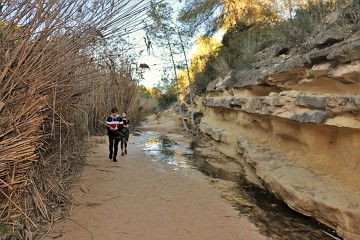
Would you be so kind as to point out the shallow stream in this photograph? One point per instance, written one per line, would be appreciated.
(272, 216)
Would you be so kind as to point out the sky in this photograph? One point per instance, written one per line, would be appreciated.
(152, 75)
(153, 60)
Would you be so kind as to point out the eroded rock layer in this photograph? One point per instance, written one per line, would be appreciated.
(293, 122)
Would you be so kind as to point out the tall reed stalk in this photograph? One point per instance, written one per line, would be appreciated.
(54, 76)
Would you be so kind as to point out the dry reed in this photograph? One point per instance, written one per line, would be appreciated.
(55, 78)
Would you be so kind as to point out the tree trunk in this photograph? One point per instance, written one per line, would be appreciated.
(190, 87)
(177, 85)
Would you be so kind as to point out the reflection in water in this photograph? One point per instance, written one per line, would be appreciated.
(165, 150)
(273, 217)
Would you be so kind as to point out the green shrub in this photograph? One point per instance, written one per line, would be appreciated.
(220, 66)
(184, 108)
(351, 15)
(198, 115)
(165, 100)
(242, 41)
(194, 144)
(201, 82)
(7, 232)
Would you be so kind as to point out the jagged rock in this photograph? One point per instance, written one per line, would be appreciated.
(348, 72)
(271, 53)
(315, 116)
(346, 51)
(214, 133)
(311, 102)
(330, 31)
(319, 70)
(304, 108)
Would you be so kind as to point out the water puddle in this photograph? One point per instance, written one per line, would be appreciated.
(163, 149)
(272, 216)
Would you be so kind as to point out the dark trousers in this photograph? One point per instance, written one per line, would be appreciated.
(113, 146)
(123, 143)
(124, 138)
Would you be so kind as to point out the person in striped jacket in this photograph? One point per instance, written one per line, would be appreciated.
(113, 125)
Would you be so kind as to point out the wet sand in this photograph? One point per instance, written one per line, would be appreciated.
(137, 198)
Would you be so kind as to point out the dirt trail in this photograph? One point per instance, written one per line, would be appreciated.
(137, 198)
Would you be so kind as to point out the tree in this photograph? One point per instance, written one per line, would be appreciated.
(155, 92)
(224, 14)
(165, 34)
(189, 79)
(207, 48)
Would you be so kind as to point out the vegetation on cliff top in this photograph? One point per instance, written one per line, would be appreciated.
(249, 27)
(290, 26)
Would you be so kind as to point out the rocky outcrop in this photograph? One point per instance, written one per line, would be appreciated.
(296, 106)
(293, 122)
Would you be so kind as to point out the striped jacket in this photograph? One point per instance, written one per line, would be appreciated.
(114, 122)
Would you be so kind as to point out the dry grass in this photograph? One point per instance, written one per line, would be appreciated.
(51, 59)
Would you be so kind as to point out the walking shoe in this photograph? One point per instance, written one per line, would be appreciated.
(114, 160)
(110, 156)
(122, 154)
(125, 151)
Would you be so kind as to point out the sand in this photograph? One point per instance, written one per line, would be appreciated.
(138, 198)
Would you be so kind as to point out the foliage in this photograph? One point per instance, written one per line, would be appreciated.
(149, 93)
(168, 93)
(166, 99)
(148, 99)
(352, 15)
(167, 35)
(7, 232)
(154, 92)
(115, 89)
(206, 52)
(184, 108)
(160, 27)
(243, 40)
(148, 106)
(234, 16)
(214, 15)
(201, 81)
(308, 15)
(207, 47)
(183, 81)
(198, 115)
(194, 143)
(197, 13)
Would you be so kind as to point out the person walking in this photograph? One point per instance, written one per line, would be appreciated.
(113, 125)
(124, 129)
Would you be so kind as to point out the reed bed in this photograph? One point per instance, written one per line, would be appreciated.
(56, 81)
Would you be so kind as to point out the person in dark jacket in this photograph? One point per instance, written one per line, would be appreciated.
(124, 129)
(113, 125)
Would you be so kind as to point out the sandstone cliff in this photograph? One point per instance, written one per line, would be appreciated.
(293, 122)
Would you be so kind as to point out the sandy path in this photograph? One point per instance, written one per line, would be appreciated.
(137, 198)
